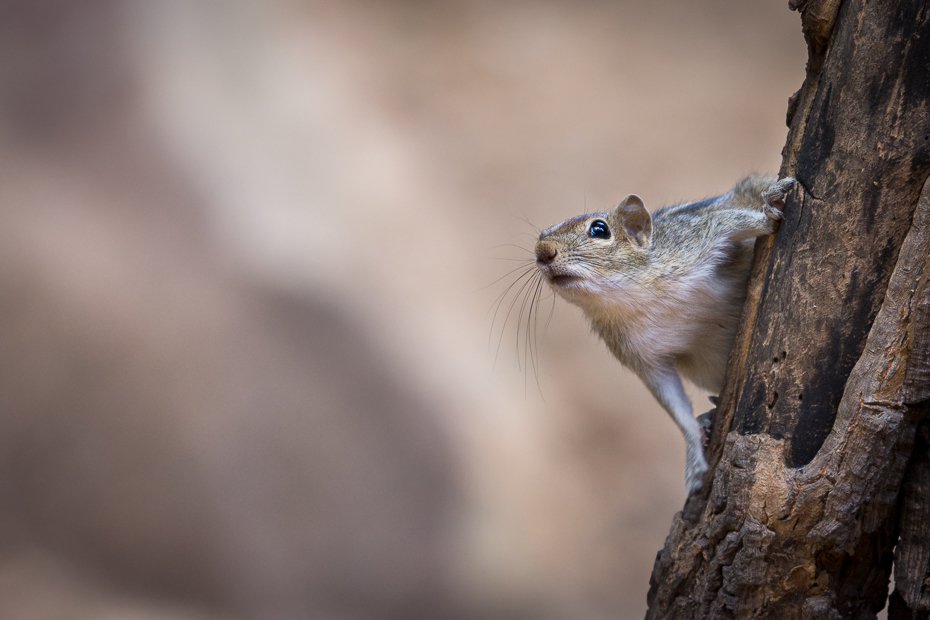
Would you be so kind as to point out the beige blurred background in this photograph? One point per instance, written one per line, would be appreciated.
(244, 344)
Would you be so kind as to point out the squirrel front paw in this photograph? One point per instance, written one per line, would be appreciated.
(774, 198)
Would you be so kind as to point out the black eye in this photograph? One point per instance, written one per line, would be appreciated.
(599, 230)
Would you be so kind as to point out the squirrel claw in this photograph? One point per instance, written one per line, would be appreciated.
(773, 212)
(705, 422)
(774, 198)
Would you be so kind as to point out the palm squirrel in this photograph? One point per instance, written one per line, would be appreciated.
(665, 292)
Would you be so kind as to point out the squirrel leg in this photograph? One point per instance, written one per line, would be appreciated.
(665, 385)
(740, 224)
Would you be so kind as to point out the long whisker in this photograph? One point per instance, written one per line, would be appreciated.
(500, 297)
(511, 245)
(532, 225)
(500, 301)
(523, 266)
(549, 318)
(536, 298)
(509, 311)
(526, 295)
(526, 333)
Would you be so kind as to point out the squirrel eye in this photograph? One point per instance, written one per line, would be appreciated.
(599, 230)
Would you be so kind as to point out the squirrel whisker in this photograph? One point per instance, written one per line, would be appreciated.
(528, 346)
(528, 265)
(532, 283)
(510, 309)
(511, 245)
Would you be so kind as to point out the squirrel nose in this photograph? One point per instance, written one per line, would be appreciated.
(545, 252)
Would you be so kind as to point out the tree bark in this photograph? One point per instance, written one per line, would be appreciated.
(819, 447)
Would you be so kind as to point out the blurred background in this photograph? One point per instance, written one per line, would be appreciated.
(247, 368)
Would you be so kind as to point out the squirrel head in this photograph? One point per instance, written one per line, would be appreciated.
(589, 258)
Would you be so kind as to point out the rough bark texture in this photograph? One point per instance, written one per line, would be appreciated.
(814, 469)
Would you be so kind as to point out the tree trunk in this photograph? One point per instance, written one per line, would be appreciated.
(819, 448)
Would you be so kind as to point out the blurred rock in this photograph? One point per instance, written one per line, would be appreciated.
(243, 370)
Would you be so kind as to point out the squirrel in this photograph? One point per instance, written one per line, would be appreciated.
(665, 292)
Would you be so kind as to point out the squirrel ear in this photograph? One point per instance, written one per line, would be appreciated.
(635, 220)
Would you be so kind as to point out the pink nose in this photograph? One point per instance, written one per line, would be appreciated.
(545, 252)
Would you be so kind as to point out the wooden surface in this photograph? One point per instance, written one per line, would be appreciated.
(830, 373)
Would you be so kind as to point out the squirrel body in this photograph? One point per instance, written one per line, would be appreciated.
(665, 292)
